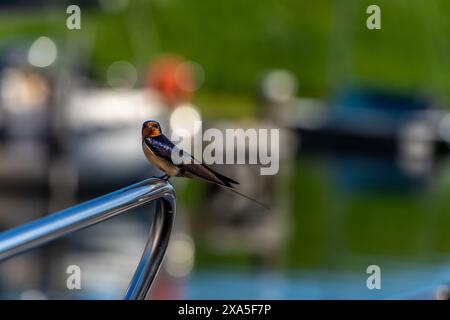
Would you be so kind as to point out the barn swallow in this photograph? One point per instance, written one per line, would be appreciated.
(159, 150)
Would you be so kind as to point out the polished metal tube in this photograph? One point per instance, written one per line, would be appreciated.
(51, 227)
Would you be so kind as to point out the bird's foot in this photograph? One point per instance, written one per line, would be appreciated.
(165, 177)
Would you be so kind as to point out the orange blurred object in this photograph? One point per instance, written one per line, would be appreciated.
(173, 79)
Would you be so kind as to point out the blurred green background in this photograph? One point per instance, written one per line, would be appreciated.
(325, 43)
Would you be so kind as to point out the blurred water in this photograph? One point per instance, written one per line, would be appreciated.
(401, 282)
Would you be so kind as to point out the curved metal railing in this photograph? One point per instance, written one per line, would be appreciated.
(61, 223)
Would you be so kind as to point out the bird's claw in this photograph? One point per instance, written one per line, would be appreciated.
(165, 177)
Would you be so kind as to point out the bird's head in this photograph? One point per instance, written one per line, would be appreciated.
(151, 129)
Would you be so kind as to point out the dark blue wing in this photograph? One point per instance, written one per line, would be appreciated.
(190, 167)
(164, 148)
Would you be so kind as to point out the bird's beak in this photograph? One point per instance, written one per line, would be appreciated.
(150, 132)
(154, 132)
(146, 132)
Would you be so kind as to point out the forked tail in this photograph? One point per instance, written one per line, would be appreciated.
(248, 198)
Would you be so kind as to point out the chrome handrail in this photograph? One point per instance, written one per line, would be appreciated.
(61, 223)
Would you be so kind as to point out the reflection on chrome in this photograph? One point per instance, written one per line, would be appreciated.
(62, 223)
